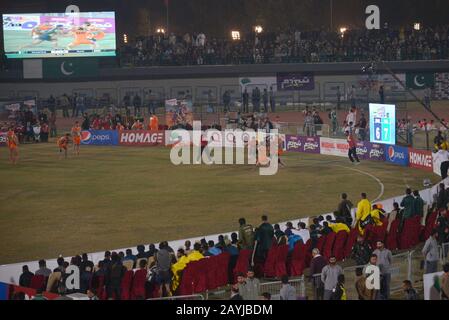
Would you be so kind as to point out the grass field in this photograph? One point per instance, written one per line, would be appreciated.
(117, 197)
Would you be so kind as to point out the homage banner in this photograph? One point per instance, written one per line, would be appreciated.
(420, 159)
(141, 138)
(295, 81)
(178, 113)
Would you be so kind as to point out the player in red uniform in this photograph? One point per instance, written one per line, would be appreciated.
(352, 151)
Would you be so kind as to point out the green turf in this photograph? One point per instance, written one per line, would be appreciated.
(111, 198)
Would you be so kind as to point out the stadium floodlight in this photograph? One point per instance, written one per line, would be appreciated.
(235, 35)
(160, 30)
(342, 31)
(417, 26)
(125, 38)
(258, 29)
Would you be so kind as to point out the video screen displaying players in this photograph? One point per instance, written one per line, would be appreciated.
(50, 35)
(382, 121)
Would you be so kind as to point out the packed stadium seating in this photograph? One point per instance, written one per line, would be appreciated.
(212, 272)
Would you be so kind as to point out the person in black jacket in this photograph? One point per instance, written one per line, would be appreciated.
(441, 197)
(114, 274)
(361, 252)
(25, 277)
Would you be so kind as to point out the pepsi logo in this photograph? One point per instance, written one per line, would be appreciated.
(85, 135)
(391, 152)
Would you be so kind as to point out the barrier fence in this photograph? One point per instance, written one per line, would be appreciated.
(274, 288)
(188, 297)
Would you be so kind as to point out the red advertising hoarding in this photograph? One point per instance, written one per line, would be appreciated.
(420, 159)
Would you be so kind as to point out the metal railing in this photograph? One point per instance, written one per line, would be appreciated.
(275, 287)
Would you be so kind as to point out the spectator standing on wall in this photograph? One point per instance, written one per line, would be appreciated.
(427, 96)
(344, 209)
(226, 100)
(382, 94)
(418, 204)
(384, 261)
(334, 121)
(351, 96)
(272, 100)
(408, 204)
(265, 236)
(338, 98)
(442, 197)
(137, 102)
(25, 277)
(256, 99)
(265, 100)
(245, 101)
(65, 103)
(43, 270)
(430, 252)
(362, 127)
(329, 277)
(246, 234)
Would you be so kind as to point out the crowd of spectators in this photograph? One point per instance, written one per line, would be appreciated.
(288, 47)
(160, 269)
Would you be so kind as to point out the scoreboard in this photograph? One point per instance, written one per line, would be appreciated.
(382, 120)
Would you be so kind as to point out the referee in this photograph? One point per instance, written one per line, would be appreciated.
(443, 156)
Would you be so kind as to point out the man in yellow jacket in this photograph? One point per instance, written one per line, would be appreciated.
(377, 214)
(182, 262)
(363, 211)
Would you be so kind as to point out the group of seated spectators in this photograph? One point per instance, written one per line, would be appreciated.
(388, 44)
(162, 267)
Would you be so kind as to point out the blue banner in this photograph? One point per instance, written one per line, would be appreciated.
(397, 155)
(4, 291)
(99, 137)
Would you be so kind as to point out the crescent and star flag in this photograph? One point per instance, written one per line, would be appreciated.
(61, 68)
(419, 81)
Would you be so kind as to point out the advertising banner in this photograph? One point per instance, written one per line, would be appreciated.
(141, 138)
(397, 155)
(250, 83)
(99, 137)
(370, 151)
(334, 147)
(420, 159)
(3, 136)
(303, 144)
(295, 81)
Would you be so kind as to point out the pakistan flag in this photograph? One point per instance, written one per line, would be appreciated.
(61, 68)
(418, 81)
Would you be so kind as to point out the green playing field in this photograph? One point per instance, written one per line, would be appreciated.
(117, 197)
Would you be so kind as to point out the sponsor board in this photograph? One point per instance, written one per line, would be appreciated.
(420, 159)
(370, 151)
(295, 81)
(99, 137)
(396, 154)
(303, 144)
(334, 147)
(141, 138)
(3, 136)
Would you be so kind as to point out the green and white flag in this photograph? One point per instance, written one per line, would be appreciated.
(419, 81)
(61, 68)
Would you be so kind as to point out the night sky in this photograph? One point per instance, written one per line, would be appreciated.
(218, 17)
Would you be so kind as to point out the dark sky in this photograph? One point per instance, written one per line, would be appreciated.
(218, 17)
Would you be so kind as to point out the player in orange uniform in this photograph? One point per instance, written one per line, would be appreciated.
(280, 143)
(82, 36)
(63, 142)
(76, 134)
(153, 125)
(13, 142)
(119, 127)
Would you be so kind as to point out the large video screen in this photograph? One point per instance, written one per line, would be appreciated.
(50, 35)
(382, 121)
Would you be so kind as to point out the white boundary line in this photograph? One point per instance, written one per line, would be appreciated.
(382, 187)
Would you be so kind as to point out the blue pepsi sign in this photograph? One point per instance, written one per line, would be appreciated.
(99, 137)
(397, 155)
